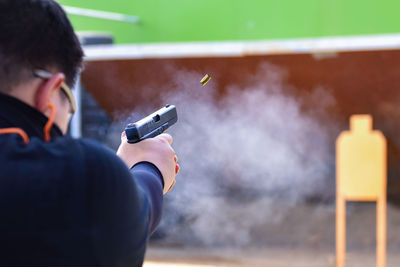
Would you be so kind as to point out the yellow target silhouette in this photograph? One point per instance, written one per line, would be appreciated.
(361, 168)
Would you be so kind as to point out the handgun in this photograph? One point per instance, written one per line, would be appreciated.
(152, 125)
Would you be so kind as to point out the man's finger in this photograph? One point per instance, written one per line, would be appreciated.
(123, 136)
(166, 137)
(173, 183)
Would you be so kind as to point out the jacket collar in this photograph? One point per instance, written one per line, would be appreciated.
(15, 113)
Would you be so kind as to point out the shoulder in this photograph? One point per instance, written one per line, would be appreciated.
(90, 158)
(97, 158)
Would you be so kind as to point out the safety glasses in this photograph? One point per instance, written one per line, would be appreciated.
(67, 91)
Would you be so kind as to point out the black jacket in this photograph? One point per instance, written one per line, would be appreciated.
(70, 202)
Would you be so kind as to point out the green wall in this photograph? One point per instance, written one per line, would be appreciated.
(214, 20)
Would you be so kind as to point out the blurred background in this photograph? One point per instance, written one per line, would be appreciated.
(256, 144)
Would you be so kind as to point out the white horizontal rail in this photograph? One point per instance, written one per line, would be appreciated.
(243, 48)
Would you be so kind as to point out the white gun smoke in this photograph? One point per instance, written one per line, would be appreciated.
(246, 158)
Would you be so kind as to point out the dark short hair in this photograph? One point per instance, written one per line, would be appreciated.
(36, 34)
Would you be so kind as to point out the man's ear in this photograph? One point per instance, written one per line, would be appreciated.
(46, 90)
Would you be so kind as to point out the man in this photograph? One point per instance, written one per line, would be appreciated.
(66, 202)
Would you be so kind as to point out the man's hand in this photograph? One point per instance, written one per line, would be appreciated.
(155, 150)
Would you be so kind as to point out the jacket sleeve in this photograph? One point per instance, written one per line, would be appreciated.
(150, 181)
(126, 206)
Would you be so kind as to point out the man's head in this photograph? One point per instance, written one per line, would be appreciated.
(36, 34)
